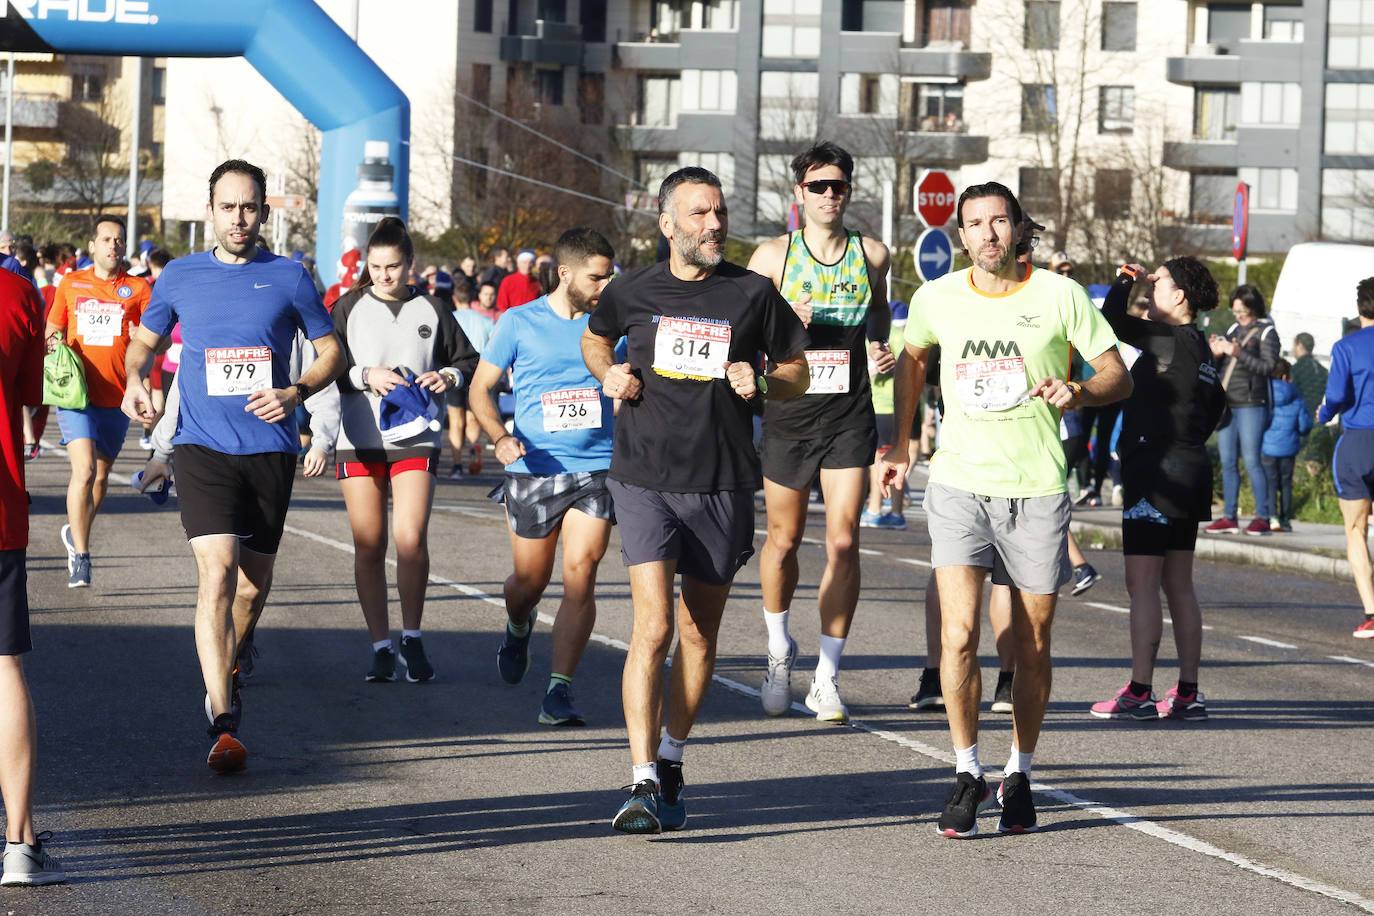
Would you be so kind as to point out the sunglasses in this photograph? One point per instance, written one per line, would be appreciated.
(839, 188)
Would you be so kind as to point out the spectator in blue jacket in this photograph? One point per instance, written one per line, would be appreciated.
(1289, 424)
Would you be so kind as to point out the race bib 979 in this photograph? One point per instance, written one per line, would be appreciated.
(237, 370)
(691, 348)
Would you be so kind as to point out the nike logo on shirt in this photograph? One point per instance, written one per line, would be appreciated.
(261, 285)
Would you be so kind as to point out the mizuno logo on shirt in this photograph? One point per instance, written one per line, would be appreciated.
(991, 350)
(261, 285)
(1028, 321)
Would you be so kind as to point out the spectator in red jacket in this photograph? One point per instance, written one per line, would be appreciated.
(521, 286)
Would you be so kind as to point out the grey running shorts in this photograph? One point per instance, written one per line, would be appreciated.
(795, 463)
(14, 604)
(536, 504)
(711, 535)
(1021, 540)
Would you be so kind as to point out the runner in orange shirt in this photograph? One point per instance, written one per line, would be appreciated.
(96, 310)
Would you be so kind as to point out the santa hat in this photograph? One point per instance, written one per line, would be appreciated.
(407, 411)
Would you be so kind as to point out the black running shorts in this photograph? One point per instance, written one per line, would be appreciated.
(711, 535)
(243, 495)
(795, 463)
(14, 604)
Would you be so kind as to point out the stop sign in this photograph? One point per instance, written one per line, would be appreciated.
(935, 198)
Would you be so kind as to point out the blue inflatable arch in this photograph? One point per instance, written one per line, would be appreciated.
(292, 43)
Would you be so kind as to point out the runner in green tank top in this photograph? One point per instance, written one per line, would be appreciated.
(836, 281)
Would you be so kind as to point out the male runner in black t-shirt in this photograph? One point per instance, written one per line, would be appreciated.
(683, 470)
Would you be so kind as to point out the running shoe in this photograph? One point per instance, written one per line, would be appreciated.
(475, 463)
(68, 543)
(145, 442)
(383, 666)
(672, 811)
(455, 473)
(824, 700)
(1088, 494)
(1365, 630)
(228, 753)
(776, 691)
(1084, 578)
(1258, 527)
(891, 520)
(928, 695)
(81, 572)
(27, 865)
(1126, 705)
(235, 705)
(1118, 495)
(32, 450)
(640, 813)
(1018, 808)
(1001, 699)
(969, 795)
(1188, 708)
(558, 707)
(1222, 525)
(869, 519)
(513, 658)
(246, 660)
(418, 668)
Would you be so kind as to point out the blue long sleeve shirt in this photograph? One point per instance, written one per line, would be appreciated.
(1350, 383)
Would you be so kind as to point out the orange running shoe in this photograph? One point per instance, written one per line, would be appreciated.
(228, 755)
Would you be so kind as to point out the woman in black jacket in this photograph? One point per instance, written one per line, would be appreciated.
(1245, 358)
(1167, 478)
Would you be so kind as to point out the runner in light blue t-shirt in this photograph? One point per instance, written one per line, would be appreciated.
(556, 462)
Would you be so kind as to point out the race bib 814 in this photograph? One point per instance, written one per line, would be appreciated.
(691, 348)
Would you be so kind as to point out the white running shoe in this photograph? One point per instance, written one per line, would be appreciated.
(68, 543)
(777, 682)
(824, 700)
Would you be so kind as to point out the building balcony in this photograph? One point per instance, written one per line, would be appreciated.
(1192, 155)
(944, 147)
(1204, 64)
(551, 43)
(697, 131)
(1241, 61)
(1262, 147)
(34, 109)
(687, 49)
(949, 61)
(1269, 233)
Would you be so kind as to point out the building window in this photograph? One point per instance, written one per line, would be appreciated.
(1037, 190)
(660, 98)
(650, 170)
(1215, 113)
(482, 15)
(1037, 108)
(1349, 119)
(946, 22)
(1350, 35)
(1282, 22)
(1212, 195)
(773, 189)
(709, 90)
(1271, 189)
(1112, 193)
(549, 86)
(1227, 23)
(1271, 104)
(1116, 109)
(717, 15)
(1346, 211)
(868, 93)
(87, 87)
(787, 105)
(481, 83)
(593, 19)
(552, 10)
(792, 28)
(722, 165)
(591, 97)
(159, 86)
(932, 106)
(1118, 26)
(1042, 25)
(852, 16)
(665, 20)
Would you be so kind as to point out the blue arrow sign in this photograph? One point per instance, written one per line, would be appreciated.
(934, 254)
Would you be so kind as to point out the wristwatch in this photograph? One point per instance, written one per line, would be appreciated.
(303, 391)
(761, 383)
(1077, 390)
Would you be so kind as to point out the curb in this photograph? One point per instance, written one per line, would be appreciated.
(1214, 547)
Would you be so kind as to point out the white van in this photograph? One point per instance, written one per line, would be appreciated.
(1316, 291)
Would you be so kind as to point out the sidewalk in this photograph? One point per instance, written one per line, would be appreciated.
(1311, 550)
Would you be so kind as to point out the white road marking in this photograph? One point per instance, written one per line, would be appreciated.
(870, 553)
(1133, 822)
(1274, 643)
(1353, 661)
(914, 562)
(1108, 607)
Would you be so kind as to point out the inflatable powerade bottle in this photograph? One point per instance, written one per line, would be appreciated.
(373, 199)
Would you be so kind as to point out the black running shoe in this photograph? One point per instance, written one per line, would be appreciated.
(1001, 699)
(1018, 809)
(418, 668)
(672, 813)
(383, 670)
(928, 695)
(966, 799)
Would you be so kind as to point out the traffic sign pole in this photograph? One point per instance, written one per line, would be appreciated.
(1240, 229)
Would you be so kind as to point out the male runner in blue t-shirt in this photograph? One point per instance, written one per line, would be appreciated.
(555, 460)
(240, 308)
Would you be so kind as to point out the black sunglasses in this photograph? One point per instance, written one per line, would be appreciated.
(840, 188)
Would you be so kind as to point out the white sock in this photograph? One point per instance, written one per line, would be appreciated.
(828, 665)
(410, 634)
(1018, 762)
(966, 761)
(643, 771)
(670, 748)
(779, 643)
(381, 644)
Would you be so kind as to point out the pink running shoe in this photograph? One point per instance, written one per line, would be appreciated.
(1126, 705)
(1188, 708)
